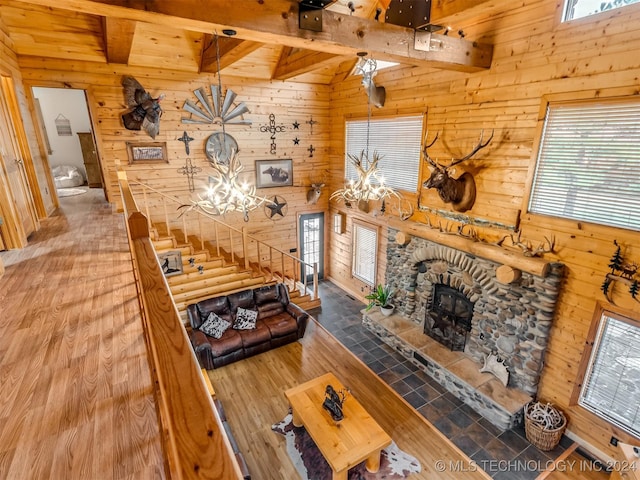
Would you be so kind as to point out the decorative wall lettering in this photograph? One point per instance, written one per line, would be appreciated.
(272, 128)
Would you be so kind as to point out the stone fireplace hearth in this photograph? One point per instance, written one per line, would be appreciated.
(511, 321)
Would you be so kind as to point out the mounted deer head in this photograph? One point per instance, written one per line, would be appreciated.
(313, 194)
(461, 191)
(376, 94)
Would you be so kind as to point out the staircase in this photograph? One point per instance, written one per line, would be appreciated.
(206, 274)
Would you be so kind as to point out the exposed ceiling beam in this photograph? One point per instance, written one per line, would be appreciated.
(445, 11)
(276, 22)
(302, 61)
(231, 50)
(118, 37)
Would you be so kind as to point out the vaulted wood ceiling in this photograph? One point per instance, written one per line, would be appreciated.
(179, 35)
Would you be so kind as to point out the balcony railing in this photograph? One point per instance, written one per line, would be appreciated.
(193, 438)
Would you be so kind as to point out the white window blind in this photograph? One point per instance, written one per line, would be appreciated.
(396, 140)
(610, 388)
(365, 251)
(588, 165)
(584, 8)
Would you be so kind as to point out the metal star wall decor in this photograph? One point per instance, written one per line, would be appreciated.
(296, 125)
(296, 141)
(277, 208)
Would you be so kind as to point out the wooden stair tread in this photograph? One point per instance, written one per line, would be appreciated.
(194, 275)
(204, 283)
(182, 306)
(216, 290)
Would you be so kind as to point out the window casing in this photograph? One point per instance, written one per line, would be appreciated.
(575, 9)
(612, 373)
(365, 252)
(588, 165)
(397, 140)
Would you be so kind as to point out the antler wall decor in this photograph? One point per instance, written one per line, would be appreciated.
(461, 191)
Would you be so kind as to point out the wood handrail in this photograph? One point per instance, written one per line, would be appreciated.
(194, 440)
(242, 234)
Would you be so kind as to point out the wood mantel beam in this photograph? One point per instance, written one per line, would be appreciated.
(231, 50)
(302, 61)
(118, 37)
(276, 22)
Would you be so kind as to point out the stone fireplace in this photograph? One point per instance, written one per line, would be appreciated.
(456, 299)
(511, 320)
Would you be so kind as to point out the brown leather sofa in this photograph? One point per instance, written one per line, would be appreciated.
(279, 322)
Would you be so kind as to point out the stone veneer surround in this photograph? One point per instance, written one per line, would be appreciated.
(511, 320)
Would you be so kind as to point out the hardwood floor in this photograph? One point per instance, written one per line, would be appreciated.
(251, 392)
(76, 396)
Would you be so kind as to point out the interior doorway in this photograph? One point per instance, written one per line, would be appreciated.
(312, 243)
(72, 155)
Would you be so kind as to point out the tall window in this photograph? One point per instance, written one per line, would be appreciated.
(365, 251)
(611, 386)
(396, 140)
(583, 8)
(588, 164)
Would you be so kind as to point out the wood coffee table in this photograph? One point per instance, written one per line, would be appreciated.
(344, 444)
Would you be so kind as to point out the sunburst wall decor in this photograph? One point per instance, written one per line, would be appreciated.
(215, 109)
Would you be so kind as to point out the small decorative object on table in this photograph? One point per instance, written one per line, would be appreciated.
(333, 402)
(381, 297)
(544, 425)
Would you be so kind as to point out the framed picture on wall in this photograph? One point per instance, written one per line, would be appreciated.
(171, 262)
(147, 152)
(274, 173)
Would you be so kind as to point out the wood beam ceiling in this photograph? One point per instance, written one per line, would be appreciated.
(294, 63)
(118, 37)
(276, 22)
(231, 50)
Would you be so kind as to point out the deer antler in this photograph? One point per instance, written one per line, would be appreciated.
(528, 250)
(476, 149)
(431, 162)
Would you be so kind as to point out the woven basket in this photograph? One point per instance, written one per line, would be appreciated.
(542, 438)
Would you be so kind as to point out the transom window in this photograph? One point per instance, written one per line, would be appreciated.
(583, 8)
(588, 165)
(397, 140)
(611, 386)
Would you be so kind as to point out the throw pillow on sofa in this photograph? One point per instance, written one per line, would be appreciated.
(245, 319)
(214, 326)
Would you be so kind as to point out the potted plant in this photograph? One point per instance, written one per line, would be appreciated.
(381, 296)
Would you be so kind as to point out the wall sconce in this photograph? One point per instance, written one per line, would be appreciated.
(338, 223)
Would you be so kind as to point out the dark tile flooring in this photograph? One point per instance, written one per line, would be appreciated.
(503, 455)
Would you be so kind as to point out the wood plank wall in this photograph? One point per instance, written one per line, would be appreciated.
(9, 67)
(534, 56)
(289, 102)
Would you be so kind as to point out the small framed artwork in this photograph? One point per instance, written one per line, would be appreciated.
(147, 152)
(171, 262)
(274, 173)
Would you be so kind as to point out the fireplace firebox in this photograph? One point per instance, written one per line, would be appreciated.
(448, 317)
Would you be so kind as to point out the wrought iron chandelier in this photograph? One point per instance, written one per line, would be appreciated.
(369, 184)
(226, 192)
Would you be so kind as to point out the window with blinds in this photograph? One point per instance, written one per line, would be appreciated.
(610, 387)
(365, 251)
(584, 8)
(588, 165)
(397, 140)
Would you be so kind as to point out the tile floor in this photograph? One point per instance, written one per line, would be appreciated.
(504, 455)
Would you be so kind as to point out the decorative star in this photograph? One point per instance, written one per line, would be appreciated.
(296, 141)
(275, 208)
(296, 125)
